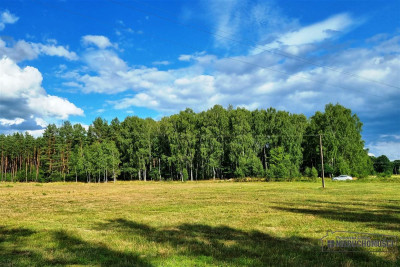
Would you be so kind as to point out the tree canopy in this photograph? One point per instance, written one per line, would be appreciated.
(217, 143)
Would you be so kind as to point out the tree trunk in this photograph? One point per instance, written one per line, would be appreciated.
(113, 165)
(213, 173)
(191, 172)
(197, 169)
(265, 160)
(26, 170)
(159, 168)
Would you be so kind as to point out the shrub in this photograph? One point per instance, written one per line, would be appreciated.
(185, 174)
(307, 172)
(314, 173)
(386, 174)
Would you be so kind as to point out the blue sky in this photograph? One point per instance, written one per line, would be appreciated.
(77, 60)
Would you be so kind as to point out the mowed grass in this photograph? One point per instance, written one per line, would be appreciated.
(218, 223)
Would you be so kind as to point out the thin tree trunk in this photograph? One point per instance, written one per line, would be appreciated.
(213, 173)
(113, 165)
(159, 168)
(265, 159)
(197, 169)
(191, 172)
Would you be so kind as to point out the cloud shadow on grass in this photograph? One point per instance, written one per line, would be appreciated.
(68, 250)
(385, 218)
(198, 243)
(223, 245)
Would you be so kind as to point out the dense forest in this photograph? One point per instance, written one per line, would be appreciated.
(217, 143)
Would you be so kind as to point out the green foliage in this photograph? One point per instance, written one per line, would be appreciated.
(307, 172)
(255, 168)
(343, 147)
(396, 167)
(382, 164)
(311, 172)
(314, 173)
(217, 143)
(185, 174)
(280, 164)
(385, 174)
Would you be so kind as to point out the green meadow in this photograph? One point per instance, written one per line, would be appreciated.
(208, 223)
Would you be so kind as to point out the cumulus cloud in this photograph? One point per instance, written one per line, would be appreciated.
(100, 41)
(24, 103)
(7, 18)
(256, 81)
(22, 50)
(389, 148)
(53, 50)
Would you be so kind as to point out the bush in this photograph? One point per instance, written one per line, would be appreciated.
(307, 172)
(185, 174)
(386, 174)
(154, 174)
(239, 173)
(314, 173)
(255, 167)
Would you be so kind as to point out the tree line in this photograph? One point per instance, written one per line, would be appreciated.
(217, 143)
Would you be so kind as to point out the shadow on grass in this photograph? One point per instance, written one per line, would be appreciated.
(226, 246)
(385, 218)
(198, 244)
(387, 208)
(13, 246)
(68, 250)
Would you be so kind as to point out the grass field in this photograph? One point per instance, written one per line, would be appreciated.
(192, 224)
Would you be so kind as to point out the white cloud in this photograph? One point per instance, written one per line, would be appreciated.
(7, 18)
(41, 122)
(231, 21)
(311, 34)
(53, 50)
(16, 121)
(163, 63)
(260, 80)
(54, 106)
(22, 97)
(395, 136)
(317, 32)
(100, 41)
(200, 57)
(391, 149)
(23, 50)
(185, 57)
(227, 19)
(20, 51)
(36, 133)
